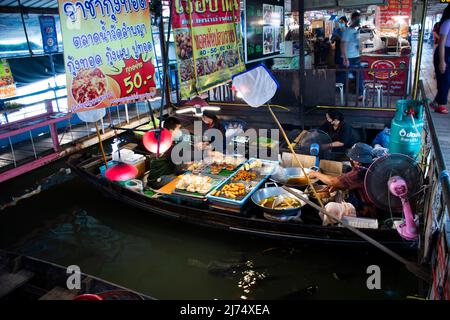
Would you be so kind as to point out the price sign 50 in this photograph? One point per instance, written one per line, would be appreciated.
(135, 82)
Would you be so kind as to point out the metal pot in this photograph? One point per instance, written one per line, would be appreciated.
(268, 192)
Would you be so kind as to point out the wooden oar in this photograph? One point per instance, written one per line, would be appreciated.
(295, 155)
(413, 267)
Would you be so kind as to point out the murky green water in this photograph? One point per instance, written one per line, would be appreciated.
(74, 224)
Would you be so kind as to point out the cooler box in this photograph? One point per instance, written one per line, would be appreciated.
(137, 160)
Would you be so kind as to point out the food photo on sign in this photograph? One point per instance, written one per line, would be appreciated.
(109, 54)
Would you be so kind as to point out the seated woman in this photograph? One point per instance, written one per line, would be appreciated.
(340, 132)
(162, 169)
(213, 122)
(360, 158)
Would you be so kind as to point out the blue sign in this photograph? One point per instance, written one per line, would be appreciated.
(48, 31)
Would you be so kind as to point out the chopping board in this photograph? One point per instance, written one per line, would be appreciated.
(170, 187)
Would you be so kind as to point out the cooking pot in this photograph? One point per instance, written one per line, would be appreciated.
(275, 191)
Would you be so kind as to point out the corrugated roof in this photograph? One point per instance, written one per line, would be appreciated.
(30, 3)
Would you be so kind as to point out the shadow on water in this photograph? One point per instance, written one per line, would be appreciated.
(74, 224)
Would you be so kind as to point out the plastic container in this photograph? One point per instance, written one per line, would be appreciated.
(111, 164)
(124, 155)
(137, 160)
(406, 128)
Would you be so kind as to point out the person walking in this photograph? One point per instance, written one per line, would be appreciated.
(441, 60)
(350, 48)
(336, 39)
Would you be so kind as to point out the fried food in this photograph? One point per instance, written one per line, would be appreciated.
(243, 175)
(194, 183)
(231, 191)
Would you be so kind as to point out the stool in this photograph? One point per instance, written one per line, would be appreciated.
(340, 86)
(378, 88)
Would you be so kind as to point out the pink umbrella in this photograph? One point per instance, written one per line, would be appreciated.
(150, 141)
(121, 172)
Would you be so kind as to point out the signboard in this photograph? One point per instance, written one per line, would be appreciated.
(7, 86)
(394, 18)
(395, 77)
(108, 52)
(208, 43)
(264, 29)
(48, 31)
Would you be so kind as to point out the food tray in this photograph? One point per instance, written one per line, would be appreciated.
(239, 202)
(214, 183)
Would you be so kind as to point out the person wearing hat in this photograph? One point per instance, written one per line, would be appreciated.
(360, 156)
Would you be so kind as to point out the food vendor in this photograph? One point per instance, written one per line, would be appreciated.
(340, 132)
(162, 168)
(360, 158)
(213, 122)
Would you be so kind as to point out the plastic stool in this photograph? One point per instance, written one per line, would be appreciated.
(340, 86)
(378, 87)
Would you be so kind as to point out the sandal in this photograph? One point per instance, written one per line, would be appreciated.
(441, 109)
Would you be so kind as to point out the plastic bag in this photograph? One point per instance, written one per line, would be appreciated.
(92, 115)
(257, 85)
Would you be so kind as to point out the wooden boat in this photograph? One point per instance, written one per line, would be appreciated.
(250, 221)
(25, 278)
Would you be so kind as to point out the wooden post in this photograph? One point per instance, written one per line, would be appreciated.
(101, 144)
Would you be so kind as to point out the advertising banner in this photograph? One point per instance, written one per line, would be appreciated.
(108, 52)
(7, 86)
(394, 18)
(208, 42)
(49, 36)
(264, 33)
(395, 77)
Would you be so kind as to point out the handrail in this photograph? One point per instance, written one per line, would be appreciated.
(33, 93)
(443, 173)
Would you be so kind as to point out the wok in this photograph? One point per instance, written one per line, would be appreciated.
(268, 192)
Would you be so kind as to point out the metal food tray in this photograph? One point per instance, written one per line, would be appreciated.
(215, 183)
(239, 203)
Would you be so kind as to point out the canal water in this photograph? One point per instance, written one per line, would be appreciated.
(72, 223)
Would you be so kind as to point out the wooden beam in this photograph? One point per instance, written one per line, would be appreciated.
(16, 9)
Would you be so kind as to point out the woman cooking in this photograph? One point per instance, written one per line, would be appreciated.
(340, 132)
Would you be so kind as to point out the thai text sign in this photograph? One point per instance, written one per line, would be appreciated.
(394, 18)
(7, 86)
(48, 32)
(391, 72)
(208, 42)
(108, 52)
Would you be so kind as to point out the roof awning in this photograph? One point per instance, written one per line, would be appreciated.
(328, 4)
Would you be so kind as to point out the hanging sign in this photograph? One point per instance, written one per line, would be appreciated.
(7, 86)
(48, 32)
(108, 52)
(393, 19)
(264, 31)
(208, 41)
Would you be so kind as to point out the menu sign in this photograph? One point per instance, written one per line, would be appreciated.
(394, 18)
(7, 86)
(391, 72)
(108, 52)
(264, 33)
(208, 43)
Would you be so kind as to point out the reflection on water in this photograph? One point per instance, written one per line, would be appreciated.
(74, 224)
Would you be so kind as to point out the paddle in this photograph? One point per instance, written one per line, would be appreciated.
(413, 267)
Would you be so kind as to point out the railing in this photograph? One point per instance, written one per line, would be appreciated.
(436, 205)
(377, 92)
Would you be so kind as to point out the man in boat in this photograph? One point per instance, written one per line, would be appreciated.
(360, 156)
(162, 169)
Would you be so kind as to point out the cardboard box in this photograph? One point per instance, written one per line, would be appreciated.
(288, 160)
(332, 168)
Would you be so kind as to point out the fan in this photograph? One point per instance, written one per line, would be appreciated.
(314, 143)
(390, 181)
